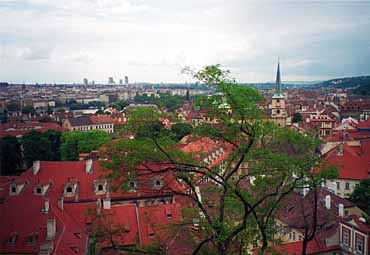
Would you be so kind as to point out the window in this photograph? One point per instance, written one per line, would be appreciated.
(31, 240)
(347, 185)
(133, 185)
(157, 183)
(100, 187)
(69, 189)
(278, 111)
(12, 240)
(359, 244)
(14, 189)
(346, 213)
(338, 185)
(293, 236)
(345, 236)
(38, 190)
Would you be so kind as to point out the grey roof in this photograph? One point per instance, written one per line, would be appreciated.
(80, 121)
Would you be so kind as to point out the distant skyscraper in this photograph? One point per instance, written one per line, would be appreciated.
(85, 81)
(110, 80)
(126, 80)
(92, 82)
(120, 82)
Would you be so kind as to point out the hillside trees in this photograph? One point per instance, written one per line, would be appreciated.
(237, 206)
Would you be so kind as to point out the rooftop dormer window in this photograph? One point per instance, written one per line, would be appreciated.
(32, 239)
(100, 187)
(133, 185)
(38, 190)
(12, 240)
(13, 189)
(70, 189)
(158, 183)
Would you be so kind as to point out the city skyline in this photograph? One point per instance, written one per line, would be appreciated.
(65, 41)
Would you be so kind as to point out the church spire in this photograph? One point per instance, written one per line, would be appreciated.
(277, 93)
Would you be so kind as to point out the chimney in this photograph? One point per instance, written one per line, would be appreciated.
(340, 150)
(327, 202)
(61, 203)
(334, 187)
(46, 206)
(252, 179)
(341, 210)
(36, 167)
(89, 167)
(50, 229)
(106, 202)
(98, 206)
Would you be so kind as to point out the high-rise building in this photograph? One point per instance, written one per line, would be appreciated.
(278, 111)
(110, 80)
(120, 82)
(85, 81)
(126, 80)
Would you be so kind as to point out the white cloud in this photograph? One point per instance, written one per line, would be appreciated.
(152, 40)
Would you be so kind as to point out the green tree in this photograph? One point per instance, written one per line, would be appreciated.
(4, 116)
(36, 147)
(297, 117)
(120, 105)
(361, 196)
(12, 107)
(29, 110)
(76, 142)
(278, 160)
(181, 130)
(55, 139)
(10, 155)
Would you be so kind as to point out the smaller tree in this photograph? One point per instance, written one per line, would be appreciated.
(29, 110)
(76, 142)
(10, 155)
(361, 196)
(36, 147)
(297, 117)
(181, 130)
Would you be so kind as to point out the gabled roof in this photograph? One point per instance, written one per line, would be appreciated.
(356, 222)
(350, 165)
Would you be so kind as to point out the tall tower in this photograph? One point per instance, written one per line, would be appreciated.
(278, 113)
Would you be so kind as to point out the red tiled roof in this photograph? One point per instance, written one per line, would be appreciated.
(364, 124)
(295, 248)
(351, 165)
(19, 129)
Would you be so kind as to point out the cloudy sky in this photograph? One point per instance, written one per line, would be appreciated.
(151, 40)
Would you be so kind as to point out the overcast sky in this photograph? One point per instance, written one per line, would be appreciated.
(151, 40)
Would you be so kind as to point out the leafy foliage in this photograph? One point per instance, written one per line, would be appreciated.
(163, 100)
(361, 196)
(36, 147)
(76, 142)
(10, 155)
(297, 117)
(181, 130)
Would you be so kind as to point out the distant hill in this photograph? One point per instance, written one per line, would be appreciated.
(347, 82)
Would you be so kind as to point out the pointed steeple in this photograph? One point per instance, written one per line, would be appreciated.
(277, 93)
